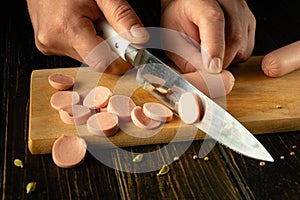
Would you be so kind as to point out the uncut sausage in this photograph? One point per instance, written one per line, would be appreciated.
(189, 108)
(74, 114)
(97, 98)
(122, 106)
(103, 124)
(282, 61)
(141, 120)
(61, 99)
(157, 111)
(68, 151)
(61, 81)
(212, 85)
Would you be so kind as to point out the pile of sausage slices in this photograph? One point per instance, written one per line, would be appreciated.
(102, 111)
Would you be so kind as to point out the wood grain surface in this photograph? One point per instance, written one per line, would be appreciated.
(262, 104)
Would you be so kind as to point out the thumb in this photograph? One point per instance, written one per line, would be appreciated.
(124, 20)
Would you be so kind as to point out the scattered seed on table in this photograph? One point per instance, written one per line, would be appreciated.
(165, 169)
(195, 157)
(206, 158)
(30, 187)
(18, 163)
(281, 157)
(278, 106)
(262, 164)
(176, 158)
(138, 158)
(292, 153)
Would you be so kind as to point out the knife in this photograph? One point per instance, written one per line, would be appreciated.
(159, 79)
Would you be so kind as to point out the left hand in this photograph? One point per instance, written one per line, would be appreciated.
(224, 29)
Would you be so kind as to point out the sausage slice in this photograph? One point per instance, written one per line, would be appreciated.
(98, 97)
(103, 124)
(61, 81)
(61, 99)
(157, 111)
(122, 106)
(141, 120)
(68, 151)
(189, 108)
(74, 114)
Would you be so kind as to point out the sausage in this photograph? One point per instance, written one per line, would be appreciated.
(61, 99)
(74, 114)
(157, 112)
(68, 151)
(212, 85)
(190, 108)
(122, 106)
(83, 95)
(141, 120)
(103, 124)
(61, 81)
(154, 80)
(97, 98)
(282, 61)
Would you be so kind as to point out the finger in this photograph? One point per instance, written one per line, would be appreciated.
(95, 51)
(182, 50)
(282, 61)
(213, 85)
(211, 26)
(124, 20)
(57, 48)
(240, 32)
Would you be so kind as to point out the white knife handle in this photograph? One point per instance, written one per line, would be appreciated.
(116, 42)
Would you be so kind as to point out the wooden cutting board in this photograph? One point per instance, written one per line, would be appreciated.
(254, 101)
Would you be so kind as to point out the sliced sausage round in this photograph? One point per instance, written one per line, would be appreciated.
(97, 98)
(122, 106)
(61, 99)
(190, 108)
(103, 124)
(141, 120)
(61, 81)
(157, 111)
(68, 151)
(75, 114)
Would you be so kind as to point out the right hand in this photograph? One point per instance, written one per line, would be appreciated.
(67, 28)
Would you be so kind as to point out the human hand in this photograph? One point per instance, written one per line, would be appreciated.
(282, 61)
(224, 29)
(67, 28)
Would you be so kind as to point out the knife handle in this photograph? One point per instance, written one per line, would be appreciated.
(116, 42)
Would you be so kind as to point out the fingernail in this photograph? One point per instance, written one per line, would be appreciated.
(215, 65)
(138, 31)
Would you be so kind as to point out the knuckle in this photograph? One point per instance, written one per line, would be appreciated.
(242, 56)
(216, 15)
(46, 41)
(121, 12)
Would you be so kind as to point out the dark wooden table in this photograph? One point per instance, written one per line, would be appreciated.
(227, 175)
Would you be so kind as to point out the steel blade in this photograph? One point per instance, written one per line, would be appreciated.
(167, 85)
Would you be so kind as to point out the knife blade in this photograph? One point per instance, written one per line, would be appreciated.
(159, 79)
